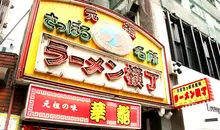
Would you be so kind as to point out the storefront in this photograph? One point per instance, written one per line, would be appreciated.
(88, 66)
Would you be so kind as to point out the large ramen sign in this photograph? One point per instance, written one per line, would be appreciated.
(94, 49)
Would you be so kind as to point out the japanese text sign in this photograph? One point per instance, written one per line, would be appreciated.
(192, 93)
(60, 106)
(13, 122)
(59, 58)
(96, 47)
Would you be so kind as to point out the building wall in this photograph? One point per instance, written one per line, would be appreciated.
(159, 26)
(194, 116)
(19, 99)
(14, 40)
(191, 121)
(206, 23)
(4, 9)
(7, 60)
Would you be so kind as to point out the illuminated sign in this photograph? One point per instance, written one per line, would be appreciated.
(13, 121)
(149, 55)
(93, 50)
(61, 106)
(60, 58)
(192, 93)
(73, 28)
(91, 15)
(129, 29)
(112, 38)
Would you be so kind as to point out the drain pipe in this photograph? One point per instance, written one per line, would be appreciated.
(161, 2)
(10, 108)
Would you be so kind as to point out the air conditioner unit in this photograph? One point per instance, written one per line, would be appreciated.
(4, 75)
(130, 10)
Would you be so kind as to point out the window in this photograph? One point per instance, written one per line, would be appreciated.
(3, 6)
(217, 24)
(201, 53)
(197, 10)
(216, 52)
(179, 1)
(207, 56)
(212, 61)
(177, 42)
(175, 33)
(5, 2)
(113, 4)
(211, 2)
(2, 49)
(192, 48)
(127, 8)
(217, 3)
(182, 44)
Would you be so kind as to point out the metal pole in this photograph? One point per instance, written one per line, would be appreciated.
(10, 108)
(14, 26)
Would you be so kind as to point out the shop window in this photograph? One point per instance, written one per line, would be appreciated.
(197, 10)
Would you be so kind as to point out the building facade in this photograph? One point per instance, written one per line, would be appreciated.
(192, 27)
(7, 70)
(76, 72)
(70, 63)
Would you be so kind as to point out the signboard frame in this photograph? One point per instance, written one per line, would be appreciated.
(26, 117)
(209, 92)
(27, 42)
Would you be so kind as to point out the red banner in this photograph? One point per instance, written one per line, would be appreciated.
(61, 106)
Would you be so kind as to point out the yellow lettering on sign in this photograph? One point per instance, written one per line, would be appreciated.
(123, 115)
(98, 111)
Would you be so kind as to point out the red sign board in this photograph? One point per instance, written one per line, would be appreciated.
(60, 106)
